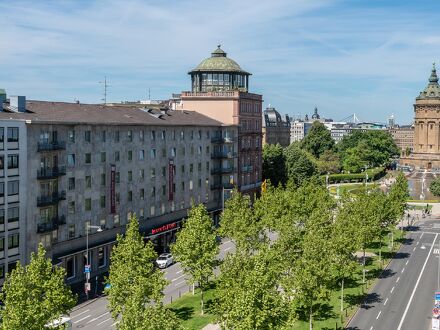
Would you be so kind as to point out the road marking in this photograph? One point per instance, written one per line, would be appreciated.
(378, 314)
(106, 320)
(386, 300)
(227, 249)
(403, 270)
(406, 263)
(115, 323)
(414, 249)
(179, 271)
(82, 319)
(175, 279)
(417, 243)
(371, 328)
(436, 251)
(421, 235)
(392, 289)
(417, 283)
(181, 282)
(72, 317)
(398, 279)
(97, 318)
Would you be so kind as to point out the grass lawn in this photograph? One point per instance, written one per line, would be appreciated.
(188, 306)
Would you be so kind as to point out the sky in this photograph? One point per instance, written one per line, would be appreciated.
(371, 58)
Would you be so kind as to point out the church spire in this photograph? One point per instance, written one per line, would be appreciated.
(433, 78)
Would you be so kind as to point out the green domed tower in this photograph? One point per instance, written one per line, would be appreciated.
(219, 73)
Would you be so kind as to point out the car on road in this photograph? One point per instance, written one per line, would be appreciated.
(164, 260)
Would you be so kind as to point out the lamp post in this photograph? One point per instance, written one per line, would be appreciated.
(88, 266)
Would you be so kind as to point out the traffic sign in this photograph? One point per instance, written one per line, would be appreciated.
(437, 295)
(87, 269)
(86, 287)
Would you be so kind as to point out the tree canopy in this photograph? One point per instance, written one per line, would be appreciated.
(300, 164)
(318, 140)
(274, 167)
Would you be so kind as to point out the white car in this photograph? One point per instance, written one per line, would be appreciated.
(164, 260)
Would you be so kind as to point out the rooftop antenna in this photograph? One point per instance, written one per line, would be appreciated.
(149, 95)
(105, 89)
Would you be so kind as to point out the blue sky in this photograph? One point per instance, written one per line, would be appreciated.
(371, 58)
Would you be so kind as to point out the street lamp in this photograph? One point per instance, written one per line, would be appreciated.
(88, 268)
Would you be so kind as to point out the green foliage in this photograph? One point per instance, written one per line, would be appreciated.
(373, 174)
(398, 194)
(274, 167)
(300, 165)
(35, 295)
(136, 283)
(196, 247)
(329, 162)
(434, 187)
(318, 140)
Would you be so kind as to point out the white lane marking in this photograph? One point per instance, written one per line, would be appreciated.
(406, 263)
(436, 251)
(386, 300)
(175, 279)
(398, 279)
(417, 243)
(403, 270)
(227, 249)
(179, 271)
(82, 319)
(417, 283)
(106, 320)
(72, 317)
(97, 318)
(421, 235)
(181, 282)
(414, 249)
(378, 314)
(115, 323)
(423, 247)
(392, 289)
(371, 328)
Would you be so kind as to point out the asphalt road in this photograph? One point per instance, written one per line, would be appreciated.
(95, 315)
(403, 297)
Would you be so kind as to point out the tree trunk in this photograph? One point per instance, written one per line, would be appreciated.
(342, 296)
(392, 240)
(201, 300)
(194, 288)
(311, 319)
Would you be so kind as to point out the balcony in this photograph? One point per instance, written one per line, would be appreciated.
(247, 168)
(217, 186)
(223, 154)
(50, 225)
(221, 140)
(51, 199)
(222, 170)
(51, 172)
(51, 146)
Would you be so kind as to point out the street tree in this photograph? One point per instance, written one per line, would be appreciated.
(274, 164)
(35, 295)
(318, 140)
(329, 162)
(136, 286)
(434, 187)
(300, 165)
(196, 248)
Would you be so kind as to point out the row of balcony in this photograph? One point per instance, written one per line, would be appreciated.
(224, 185)
(221, 139)
(50, 146)
(223, 170)
(51, 172)
(224, 154)
(247, 168)
(52, 224)
(51, 199)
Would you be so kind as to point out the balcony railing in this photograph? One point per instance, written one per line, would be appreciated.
(222, 170)
(220, 139)
(49, 146)
(222, 185)
(223, 154)
(51, 172)
(52, 224)
(247, 168)
(51, 199)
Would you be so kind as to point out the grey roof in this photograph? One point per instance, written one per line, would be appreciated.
(432, 91)
(98, 114)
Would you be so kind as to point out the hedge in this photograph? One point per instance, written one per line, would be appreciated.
(373, 174)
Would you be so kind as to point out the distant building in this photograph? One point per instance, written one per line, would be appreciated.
(276, 129)
(391, 122)
(403, 136)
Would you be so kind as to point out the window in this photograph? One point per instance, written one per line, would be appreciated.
(182, 168)
(173, 135)
(153, 191)
(72, 231)
(130, 155)
(141, 154)
(141, 193)
(164, 171)
(116, 156)
(191, 168)
(182, 151)
(117, 177)
(192, 150)
(192, 135)
(199, 150)
(102, 223)
(2, 189)
(2, 244)
(130, 196)
(88, 204)
(70, 267)
(152, 210)
(87, 136)
(103, 136)
(199, 134)
(12, 134)
(199, 184)
(117, 136)
(207, 166)
(103, 157)
(71, 207)
(102, 179)
(164, 190)
(13, 214)
(13, 188)
(173, 152)
(116, 219)
(13, 241)
(164, 153)
(102, 201)
(88, 158)
(141, 174)
(101, 257)
(153, 173)
(71, 160)
(182, 186)
(2, 166)
(130, 136)
(141, 213)
(199, 167)
(207, 150)
(153, 135)
(163, 135)
(12, 161)
(182, 135)
(130, 176)
(141, 135)
(2, 135)
(190, 185)
(2, 217)
(88, 182)
(71, 136)
(153, 153)
(71, 184)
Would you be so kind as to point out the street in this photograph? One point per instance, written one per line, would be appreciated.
(95, 315)
(403, 297)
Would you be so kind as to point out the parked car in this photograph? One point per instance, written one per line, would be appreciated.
(164, 260)
(63, 321)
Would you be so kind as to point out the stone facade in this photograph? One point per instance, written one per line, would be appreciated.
(403, 136)
(276, 130)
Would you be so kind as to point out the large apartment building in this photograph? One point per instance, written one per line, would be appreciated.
(69, 168)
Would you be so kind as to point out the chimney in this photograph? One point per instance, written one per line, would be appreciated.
(17, 103)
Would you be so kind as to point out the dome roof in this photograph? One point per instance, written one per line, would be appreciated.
(433, 88)
(218, 62)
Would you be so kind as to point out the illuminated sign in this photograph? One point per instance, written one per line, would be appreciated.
(169, 226)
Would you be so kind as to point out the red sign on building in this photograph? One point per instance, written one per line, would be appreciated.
(170, 180)
(112, 190)
(158, 230)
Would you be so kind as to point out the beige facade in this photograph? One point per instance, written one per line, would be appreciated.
(403, 136)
